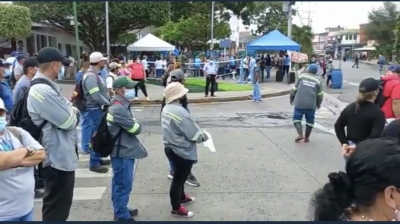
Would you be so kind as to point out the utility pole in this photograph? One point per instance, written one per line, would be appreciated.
(212, 27)
(289, 30)
(76, 26)
(107, 32)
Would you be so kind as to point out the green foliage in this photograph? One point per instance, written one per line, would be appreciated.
(194, 30)
(272, 18)
(382, 26)
(126, 38)
(303, 35)
(242, 10)
(15, 21)
(123, 17)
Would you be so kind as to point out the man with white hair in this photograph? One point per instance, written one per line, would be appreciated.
(95, 97)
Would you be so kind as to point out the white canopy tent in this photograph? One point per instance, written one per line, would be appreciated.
(365, 49)
(151, 43)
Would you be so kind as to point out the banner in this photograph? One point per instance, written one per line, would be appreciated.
(298, 57)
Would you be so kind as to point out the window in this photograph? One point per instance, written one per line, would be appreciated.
(355, 37)
(60, 47)
(43, 41)
(52, 41)
(68, 49)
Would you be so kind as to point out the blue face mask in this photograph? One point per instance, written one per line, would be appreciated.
(7, 73)
(3, 123)
(129, 94)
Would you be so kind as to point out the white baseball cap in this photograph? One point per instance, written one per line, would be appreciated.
(96, 57)
(2, 106)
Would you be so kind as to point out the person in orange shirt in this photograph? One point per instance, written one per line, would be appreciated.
(391, 94)
(138, 74)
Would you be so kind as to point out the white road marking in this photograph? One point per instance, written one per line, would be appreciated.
(351, 83)
(85, 193)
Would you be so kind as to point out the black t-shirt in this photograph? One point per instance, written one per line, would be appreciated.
(367, 122)
(392, 130)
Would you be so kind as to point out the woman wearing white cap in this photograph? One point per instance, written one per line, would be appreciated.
(180, 136)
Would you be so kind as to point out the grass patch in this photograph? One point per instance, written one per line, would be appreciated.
(196, 85)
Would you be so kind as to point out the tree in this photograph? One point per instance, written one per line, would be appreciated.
(303, 36)
(242, 10)
(123, 17)
(193, 31)
(272, 18)
(12, 24)
(396, 45)
(382, 26)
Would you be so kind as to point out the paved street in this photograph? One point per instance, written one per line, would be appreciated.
(257, 174)
(352, 78)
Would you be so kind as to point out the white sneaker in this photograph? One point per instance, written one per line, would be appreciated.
(136, 99)
(147, 98)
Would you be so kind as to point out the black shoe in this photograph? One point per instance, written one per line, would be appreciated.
(192, 181)
(38, 194)
(99, 169)
(133, 212)
(105, 162)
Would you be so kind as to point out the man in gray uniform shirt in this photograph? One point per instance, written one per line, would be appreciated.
(46, 104)
(96, 96)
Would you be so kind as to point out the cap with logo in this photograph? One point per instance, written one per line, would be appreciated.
(97, 57)
(124, 82)
(50, 54)
(31, 63)
(114, 65)
(368, 85)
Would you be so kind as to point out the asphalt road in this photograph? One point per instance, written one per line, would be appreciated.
(351, 79)
(257, 174)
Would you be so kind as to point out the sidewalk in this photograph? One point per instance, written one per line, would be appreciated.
(268, 89)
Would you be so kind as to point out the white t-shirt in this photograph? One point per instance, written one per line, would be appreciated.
(164, 63)
(159, 64)
(246, 63)
(144, 63)
(17, 184)
(110, 79)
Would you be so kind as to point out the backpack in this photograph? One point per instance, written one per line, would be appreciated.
(380, 98)
(102, 141)
(78, 96)
(19, 115)
(12, 80)
(137, 71)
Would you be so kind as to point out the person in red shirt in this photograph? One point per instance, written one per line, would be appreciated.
(138, 74)
(391, 91)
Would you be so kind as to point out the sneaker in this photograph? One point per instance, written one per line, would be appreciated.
(99, 169)
(105, 162)
(147, 98)
(192, 181)
(133, 212)
(38, 194)
(187, 201)
(171, 175)
(136, 99)
(182, 212)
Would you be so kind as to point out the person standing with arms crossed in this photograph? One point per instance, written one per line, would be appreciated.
(210, 71)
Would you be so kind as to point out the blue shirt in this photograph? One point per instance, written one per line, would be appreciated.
(78, 77)
(197, 62)
(286, 61)
(6, 95)
(20, 87)
(232, 61)
(104, 73)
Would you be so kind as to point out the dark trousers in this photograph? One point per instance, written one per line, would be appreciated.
(329, 80)
(286, 69)
(147, 73)
(58, 194)
(182, 169)
(323, 72)
(140, 85)
(210, 80)
(355, 64)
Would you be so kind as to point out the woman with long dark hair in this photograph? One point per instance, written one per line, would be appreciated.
(367, 191)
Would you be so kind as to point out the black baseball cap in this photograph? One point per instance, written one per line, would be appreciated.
(177, 75)
(50, 54)
(31, 62)
(368, 85)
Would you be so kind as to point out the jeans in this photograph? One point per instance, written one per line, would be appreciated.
(268, 69)
(159, 73)
(121, 185)
(309, 114)
(256, 92)
(91, 119)
(197, 72)
(380, 67)
(25, 218)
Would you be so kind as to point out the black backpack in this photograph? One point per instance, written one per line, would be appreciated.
(102, 141)
(380, 98)
(78, 97)
(19, 116)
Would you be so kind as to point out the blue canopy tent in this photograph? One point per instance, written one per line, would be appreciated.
(273, 41)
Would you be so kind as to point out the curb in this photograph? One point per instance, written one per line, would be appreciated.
(215, 100)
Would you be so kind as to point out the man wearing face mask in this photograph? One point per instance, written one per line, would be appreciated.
(48, 109)
(210, 71)
(5, 90)
(30, 69)
(127, 151)
(96, 96)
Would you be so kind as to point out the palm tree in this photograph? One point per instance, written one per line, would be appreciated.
(303, 36)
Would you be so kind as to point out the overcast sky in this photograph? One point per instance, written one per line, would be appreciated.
(329, 14)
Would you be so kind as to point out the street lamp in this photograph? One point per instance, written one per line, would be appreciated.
(212, 29)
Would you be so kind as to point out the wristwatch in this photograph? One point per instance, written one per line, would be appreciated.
(30, 150)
